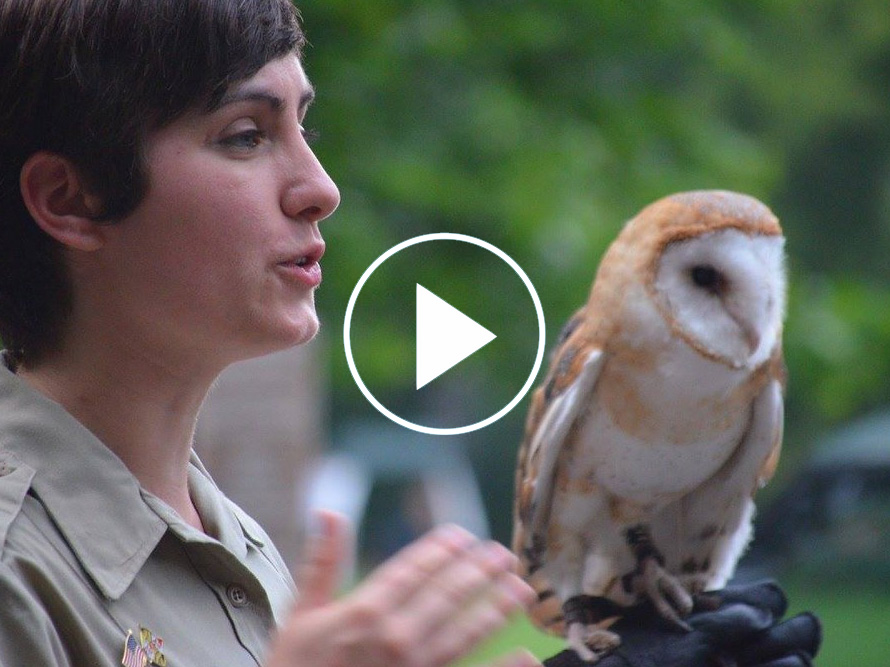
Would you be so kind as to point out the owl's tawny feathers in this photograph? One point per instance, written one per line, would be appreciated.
(659, 417)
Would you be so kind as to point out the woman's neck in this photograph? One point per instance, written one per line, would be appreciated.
(142, 410)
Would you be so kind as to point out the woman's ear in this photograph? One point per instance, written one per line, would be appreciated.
(57, 199)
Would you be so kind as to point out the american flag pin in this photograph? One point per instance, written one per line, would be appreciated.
(143, 649)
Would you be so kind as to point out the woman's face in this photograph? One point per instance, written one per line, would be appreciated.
(222, 255)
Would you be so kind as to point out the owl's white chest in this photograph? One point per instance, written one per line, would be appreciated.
(656, 430)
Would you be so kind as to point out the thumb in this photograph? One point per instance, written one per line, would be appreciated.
(319, 576)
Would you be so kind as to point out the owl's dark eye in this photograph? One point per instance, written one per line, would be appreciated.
(707, 277)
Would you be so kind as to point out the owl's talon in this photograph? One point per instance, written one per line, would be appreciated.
(706, 602)
(666, 593)
(695, 584)
(671, 617)
(591, 642)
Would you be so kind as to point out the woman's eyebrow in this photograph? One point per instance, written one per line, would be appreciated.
(274, 101)
(306, 98)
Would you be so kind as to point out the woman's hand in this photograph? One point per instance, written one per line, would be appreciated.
(429, 605)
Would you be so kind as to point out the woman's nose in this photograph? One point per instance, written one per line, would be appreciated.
(313, 195)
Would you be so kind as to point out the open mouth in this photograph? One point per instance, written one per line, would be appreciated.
(305, 268)
(303, 261)
(312, 256)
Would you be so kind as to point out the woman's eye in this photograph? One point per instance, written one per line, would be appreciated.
(244, 140)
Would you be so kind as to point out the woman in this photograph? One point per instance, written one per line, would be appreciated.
(161, 211)
(159, 220)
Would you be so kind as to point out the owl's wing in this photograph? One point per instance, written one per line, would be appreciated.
(574, 372)
(771, 430)
(550, 436)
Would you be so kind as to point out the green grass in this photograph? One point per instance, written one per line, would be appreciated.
(855, 620)
(519, 633)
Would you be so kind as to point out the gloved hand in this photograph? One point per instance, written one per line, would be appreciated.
(739, 626)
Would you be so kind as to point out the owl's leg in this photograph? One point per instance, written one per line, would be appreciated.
(583, 615)
(667, 594)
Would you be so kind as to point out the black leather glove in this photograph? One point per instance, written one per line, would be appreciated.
(739, 626)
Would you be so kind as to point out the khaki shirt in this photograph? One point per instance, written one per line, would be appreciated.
(88, 557)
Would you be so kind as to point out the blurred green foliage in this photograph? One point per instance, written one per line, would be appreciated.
(542, 126)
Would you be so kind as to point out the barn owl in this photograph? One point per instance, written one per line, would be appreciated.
(660, 416)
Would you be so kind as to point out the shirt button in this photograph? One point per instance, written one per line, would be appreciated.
(237, 595)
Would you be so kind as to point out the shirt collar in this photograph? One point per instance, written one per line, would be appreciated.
(220, 515)
(111, 524)
(93, 499)
(222, 519)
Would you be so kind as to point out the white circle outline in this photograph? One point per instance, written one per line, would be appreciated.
(347, 325)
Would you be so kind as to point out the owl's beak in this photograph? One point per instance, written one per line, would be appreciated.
(750, 332)
(752, 338)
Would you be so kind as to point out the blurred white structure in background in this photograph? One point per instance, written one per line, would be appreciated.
(435, 469)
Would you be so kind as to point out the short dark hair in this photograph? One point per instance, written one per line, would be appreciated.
(88, 79)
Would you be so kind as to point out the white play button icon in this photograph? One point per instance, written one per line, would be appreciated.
(445, 336)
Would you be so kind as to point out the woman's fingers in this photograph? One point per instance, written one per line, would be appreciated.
(430, 604)
(483, 574)
(475, 622)
(409, 571)
(441, 596)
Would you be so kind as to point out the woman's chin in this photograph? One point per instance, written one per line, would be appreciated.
(292, 333)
